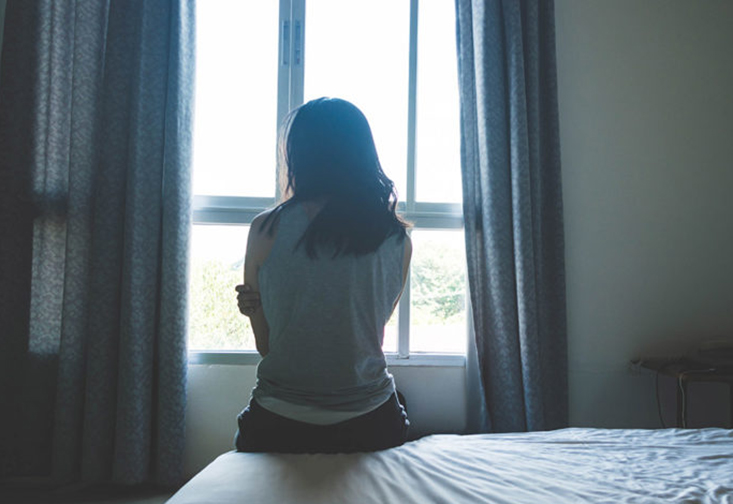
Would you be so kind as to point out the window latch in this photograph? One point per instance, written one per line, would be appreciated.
(285, 43)
(298, 42)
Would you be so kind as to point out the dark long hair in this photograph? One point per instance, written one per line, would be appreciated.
(327, 153)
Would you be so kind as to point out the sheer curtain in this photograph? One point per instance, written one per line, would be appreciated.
(513, 209)
(95, 133)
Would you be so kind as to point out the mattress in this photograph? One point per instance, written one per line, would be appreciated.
(568, 465)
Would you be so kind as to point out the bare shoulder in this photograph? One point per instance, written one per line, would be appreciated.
(408, 245)
(407, 257)
(260, 222)
(260, 240)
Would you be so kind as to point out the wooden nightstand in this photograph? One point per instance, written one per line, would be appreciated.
(686, 370)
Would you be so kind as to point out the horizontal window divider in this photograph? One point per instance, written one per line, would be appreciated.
(241, 210)
(424, 206)
(234, 203)
(226, 216)
(208, 202)
(243, 216)
(426, 360)
(252, 358)
(224, 357)
(423, 220)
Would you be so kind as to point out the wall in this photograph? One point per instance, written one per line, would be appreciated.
(2, 26)
(646, 117)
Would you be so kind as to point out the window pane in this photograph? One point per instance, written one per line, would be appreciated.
(235, 133)
(359, 51)
(438, 157)
(390, 333)
(217, 259)
(438, 296)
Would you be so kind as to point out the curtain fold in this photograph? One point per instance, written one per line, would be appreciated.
(107, 104)
(510, 159)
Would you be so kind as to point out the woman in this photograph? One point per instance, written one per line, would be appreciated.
(329, 265)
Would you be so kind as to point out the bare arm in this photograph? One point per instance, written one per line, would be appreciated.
(405, 268)
(259, 245)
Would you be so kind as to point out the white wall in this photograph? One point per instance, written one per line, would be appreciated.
(646, 116)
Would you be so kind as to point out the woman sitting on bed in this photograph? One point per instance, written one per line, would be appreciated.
(323, 273)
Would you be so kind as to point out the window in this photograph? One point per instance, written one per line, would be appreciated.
(396, 60)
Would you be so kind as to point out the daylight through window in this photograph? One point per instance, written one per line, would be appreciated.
(394, 59)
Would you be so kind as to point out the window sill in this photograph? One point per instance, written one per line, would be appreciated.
(251, 358)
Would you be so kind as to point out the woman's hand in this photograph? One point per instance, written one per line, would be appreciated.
(247, 300)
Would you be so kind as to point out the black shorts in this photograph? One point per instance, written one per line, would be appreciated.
(261, 430)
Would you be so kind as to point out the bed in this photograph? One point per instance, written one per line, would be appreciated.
(567, 465)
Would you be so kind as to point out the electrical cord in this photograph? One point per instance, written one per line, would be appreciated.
(680, 384)
(681, 376)
(659, 402)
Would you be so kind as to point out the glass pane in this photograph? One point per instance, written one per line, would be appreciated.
(438, 295)
(438, 156)
(390, 333)
(235, 131)
(359, 51)
(217, 265)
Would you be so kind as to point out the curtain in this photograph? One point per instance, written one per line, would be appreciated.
(95, 134)
(513, 209)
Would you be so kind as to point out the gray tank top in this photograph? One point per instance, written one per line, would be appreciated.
(326, 318)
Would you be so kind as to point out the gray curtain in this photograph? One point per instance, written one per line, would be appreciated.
(513, 209)
(95, 134)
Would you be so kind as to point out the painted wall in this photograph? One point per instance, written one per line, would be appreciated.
(646, 116)
(2, 25)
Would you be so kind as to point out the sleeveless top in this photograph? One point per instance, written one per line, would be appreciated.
(326, 318)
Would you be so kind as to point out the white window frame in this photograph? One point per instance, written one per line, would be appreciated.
(238, 210)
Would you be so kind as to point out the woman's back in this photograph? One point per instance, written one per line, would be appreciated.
(328, 265)
(326, 317)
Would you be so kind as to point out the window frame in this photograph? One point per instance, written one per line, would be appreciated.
(241, 210)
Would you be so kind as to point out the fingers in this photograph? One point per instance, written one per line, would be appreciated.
(248, 297)
(248, 310)
(248, 300)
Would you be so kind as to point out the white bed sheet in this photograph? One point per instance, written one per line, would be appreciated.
(568, 465)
